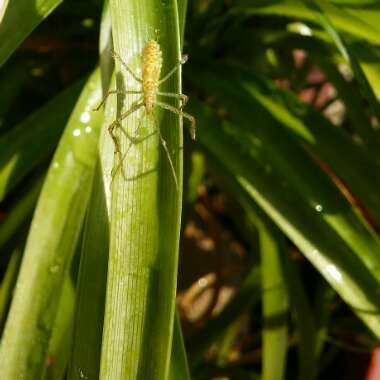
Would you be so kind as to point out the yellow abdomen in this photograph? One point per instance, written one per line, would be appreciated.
(151, 71)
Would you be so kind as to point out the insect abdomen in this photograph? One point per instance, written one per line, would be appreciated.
(151, 71)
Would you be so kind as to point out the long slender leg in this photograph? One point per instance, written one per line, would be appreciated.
(174, 69)
(117, 123)
(122, 157)
(117, 56)
(182, 97)
(115, 92)
(165, 146)
(179, 112)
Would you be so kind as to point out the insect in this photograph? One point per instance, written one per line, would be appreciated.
(150, 82)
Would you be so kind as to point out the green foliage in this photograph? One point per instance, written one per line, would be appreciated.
(286, 98)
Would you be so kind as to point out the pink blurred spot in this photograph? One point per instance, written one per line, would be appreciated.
(373, 372)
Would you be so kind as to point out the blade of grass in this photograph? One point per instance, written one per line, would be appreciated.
(56, 225)
(350, 58)
(3, 7)
(105, 47)
(182, 9)
(275, 304)
(347, 22)
(324, 299)
(305, 321)
(8, 282)
(274, 288)
(179, 368)
(145, 210)
(271, 144)
(20, 211)
(340, 264)
(61, 339)
(360, 172)
(227, 341)
(90, 302)
(92, 278)
(33, 140)
(19, 20)
(198, 170)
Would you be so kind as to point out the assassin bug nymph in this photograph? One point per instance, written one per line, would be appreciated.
(149, 91)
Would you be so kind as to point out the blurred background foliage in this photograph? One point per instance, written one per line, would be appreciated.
(279, 274)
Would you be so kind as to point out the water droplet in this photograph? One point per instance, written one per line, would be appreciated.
(334, 272)
(319, 208)
(76, 132)
(88, 129)
(85, 117)
(82, 374)
(305, 30)
(138, 71)
(55, 165)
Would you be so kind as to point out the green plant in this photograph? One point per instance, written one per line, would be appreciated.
(89, 281)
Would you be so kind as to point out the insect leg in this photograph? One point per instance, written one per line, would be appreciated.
(115, 92)
(182, 97)
(117, 56)
(165, 146)
(179, 112)
(174, 69)
(117, 123)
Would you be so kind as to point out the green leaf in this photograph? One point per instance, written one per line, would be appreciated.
(179, 368)
(360, 172)
(8, 282)
(53, 236)
(33, 140)
(288, 275)
(145, 207)
(92, 279)
(182, 9)
(19, 212)
(270, 144)
(275, 304)
(19, 20)
(320, 235)
(350, 58)
(3, 7)
(305, 322)
(347, 22)
(105, 47)
(61, 339)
